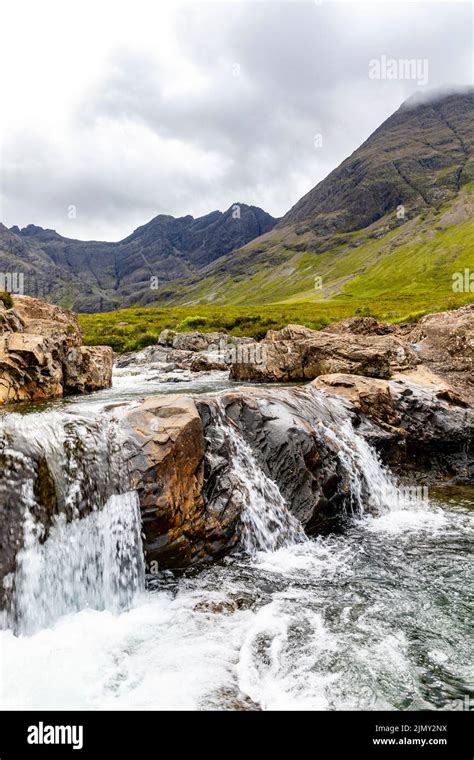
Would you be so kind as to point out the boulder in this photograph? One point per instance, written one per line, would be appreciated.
(297, 353)
(41, 354)
(416, 421)
(445, 344)
(192, 341)
(88, 369)
(165, 450)
(361, 326)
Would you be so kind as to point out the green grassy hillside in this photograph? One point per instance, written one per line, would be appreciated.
(394, 274)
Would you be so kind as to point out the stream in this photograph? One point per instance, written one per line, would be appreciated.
(378, 616)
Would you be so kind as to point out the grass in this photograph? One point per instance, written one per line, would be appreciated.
(6, 299)
(396, 276)
(134, 329)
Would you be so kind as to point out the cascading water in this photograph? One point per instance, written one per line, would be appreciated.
(267, 523)
(65, 487)
(94, 562)
(371, 485)
(374, 617)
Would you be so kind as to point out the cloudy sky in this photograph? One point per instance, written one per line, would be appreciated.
(114, 112)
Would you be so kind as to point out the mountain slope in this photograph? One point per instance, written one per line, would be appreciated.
(391, 225)
(419, 157)
(95, 276)
(396, 214)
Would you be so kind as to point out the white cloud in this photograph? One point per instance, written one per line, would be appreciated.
(127, 110)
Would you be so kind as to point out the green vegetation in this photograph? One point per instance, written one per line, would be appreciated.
(396, 276)
(7, 299)
(133, 329)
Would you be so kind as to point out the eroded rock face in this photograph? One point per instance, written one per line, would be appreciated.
(166, 456)
(445, 344)
(286, 432)
(41, 354)
(420, 426)
(297, 353)
(182, 454)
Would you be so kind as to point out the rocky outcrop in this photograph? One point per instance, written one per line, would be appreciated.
(297, 353)
(445, 344)
(42, 356)
(182, 452)
(194, 351)
(420, 426)
(166, 458)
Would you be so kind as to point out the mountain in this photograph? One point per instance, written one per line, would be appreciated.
(419, 157)
(95, 276)
(394, 221)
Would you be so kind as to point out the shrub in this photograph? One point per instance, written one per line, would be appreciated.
(7, 299)
(189, 323)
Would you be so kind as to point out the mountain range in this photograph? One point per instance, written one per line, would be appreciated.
(395, 216)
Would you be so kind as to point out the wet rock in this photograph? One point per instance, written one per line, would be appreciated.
(285, 430)
(41, 354)
(417, 423)
(203, 362)
(165, 448)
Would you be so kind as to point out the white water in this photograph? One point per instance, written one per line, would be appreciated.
(374, 618)
(94, 562)
(267, 523)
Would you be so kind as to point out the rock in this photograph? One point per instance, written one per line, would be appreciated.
(285, 430)
(195, 341)
(297, 353)
(166, 337)
(157, 357)
(361, 326)
(41, 354)
(445, 343)
(198, 352)
(211, 362)
(166, 446)
(417, 423)
(88, 369)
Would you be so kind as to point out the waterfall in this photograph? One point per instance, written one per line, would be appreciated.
(267, 523)
(66, 502)
(372, 487)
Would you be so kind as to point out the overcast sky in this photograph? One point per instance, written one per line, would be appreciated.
(126, 110)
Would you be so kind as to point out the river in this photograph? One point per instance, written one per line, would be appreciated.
(378, 616)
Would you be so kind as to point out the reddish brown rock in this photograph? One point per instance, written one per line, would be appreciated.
(166, 446)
